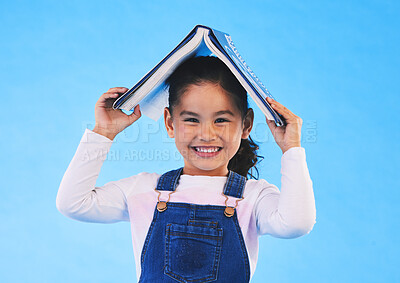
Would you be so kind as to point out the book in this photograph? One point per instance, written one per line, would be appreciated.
(152, 94)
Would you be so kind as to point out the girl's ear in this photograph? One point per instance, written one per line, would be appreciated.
(248, 123)
(168, 122)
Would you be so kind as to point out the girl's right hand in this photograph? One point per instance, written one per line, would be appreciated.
(109, 121)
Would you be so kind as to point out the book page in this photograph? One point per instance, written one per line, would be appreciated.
(152, 105)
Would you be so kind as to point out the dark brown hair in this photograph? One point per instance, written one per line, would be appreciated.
(198, 70)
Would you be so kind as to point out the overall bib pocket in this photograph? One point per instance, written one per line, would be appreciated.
(192, 252)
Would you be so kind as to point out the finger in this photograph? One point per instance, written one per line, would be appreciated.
(289, 116)
(271, 124)
(269, 99)
(276, 106)
(108, 95)
(279, 106)
(107, 99)
(286, 113)
(117, 89)
(135, 115)
(274, 102)
(137, 111)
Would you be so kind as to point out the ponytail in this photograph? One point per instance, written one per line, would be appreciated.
(245, 159)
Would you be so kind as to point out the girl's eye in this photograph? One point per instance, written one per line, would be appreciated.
(194, 120)
(221, 120)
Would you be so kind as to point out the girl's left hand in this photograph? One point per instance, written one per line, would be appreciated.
(286, 136)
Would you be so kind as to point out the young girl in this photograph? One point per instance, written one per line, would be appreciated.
(201, 222)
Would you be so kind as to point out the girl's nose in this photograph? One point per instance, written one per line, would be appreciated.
(207, 132)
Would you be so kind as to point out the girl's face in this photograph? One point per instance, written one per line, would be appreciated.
(208, 128)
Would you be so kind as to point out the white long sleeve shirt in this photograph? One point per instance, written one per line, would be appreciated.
(288, 213)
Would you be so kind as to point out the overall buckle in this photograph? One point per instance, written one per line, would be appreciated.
(229, 210)
(162, 205)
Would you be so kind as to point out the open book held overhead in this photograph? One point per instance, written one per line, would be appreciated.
(152, 93)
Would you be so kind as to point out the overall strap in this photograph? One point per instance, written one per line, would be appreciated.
(234, 185)
(169, 180)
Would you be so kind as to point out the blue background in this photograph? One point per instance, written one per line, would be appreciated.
(333, 63)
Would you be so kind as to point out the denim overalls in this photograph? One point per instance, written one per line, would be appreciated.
(195, 243)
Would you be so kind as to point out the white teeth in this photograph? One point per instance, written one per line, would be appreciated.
(200, 149)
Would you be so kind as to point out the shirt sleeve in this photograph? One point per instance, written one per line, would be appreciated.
(79, 198)
(291, 212)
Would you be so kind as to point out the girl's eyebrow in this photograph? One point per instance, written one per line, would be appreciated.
(184, 112)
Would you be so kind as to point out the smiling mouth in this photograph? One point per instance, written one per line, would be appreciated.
(207, 149)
